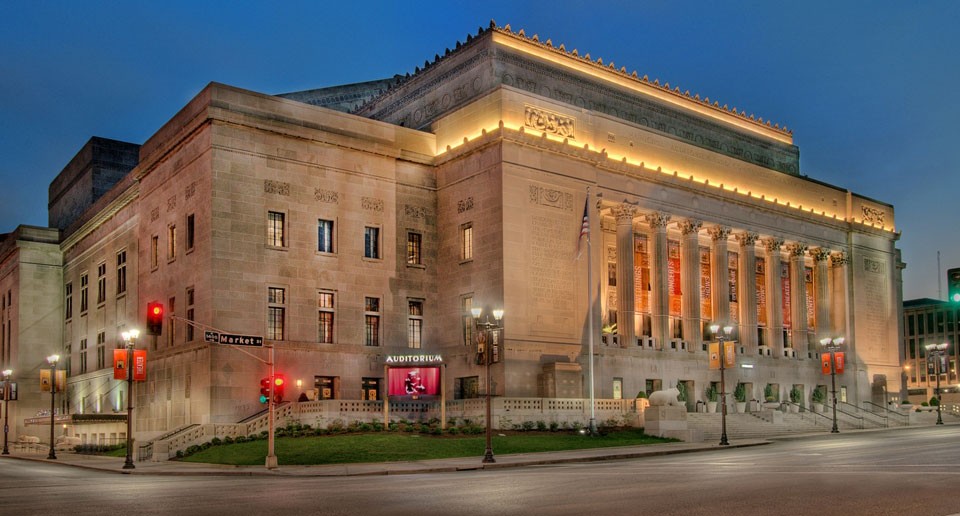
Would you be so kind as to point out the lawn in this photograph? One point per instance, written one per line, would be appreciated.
(400, 446)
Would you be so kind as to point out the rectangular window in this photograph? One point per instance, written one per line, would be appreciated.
(370, 388)
(121, 272)
(325, 313)
(466, 241)
(171, 306)
(415, 324)
(154, 251)
(171, 242)
(83, 356)
(466, 317)
(191, 232)
(101, 283)
(276, 230)
(68, 301)
(325, 236)
(328, 387)
(101, 350)
(83, 292)
(276, 312)
(413, 249)
(371, 242)
(190, 314)
(372, 321)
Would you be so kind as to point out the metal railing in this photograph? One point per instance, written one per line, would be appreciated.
(901, 418)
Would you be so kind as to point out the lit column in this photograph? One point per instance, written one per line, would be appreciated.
(130, 338)
(52, 360)
(660, 298)
(821, 299)
(747, 300)
(719, 274)
(774, 295)
(690, 283)
(798, 298)
(626, 305)
(839, 293)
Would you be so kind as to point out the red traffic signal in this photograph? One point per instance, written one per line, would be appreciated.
(279, 385)
(154, 318)
(264, 390)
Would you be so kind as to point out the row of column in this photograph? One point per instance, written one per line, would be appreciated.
(830, 292)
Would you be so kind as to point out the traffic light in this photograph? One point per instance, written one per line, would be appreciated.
(154, 318)
(279, 383)
(264, 389)
(953, 285)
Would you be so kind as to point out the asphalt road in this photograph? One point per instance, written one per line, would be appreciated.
(904, 472)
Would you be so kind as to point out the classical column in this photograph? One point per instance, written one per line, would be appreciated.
(626, 306)
(747, 298)
(798, 298)
(660, 299)
(690, 283)
(719, 275)
(839, 296)
(774, 296)
(820, 282)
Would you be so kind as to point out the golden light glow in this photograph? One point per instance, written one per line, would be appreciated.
(643, 167)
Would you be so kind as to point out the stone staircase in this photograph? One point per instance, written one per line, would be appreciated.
(753, 426)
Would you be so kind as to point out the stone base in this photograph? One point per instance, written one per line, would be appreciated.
(771, 416)
(666, 421)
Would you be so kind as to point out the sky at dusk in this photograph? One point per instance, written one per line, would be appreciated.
(868, 88)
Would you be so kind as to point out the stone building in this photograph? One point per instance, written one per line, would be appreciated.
(370, 227)
(930, 321)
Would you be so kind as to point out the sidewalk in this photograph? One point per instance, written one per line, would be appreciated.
(115, 464)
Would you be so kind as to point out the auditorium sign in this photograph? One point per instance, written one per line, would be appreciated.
(414, 359)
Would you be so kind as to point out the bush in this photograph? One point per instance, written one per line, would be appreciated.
(528, 425)
(711, 393)
(795, 395)
(642, 394)
(934, 402)
(542, 426)
(216, 441)
(554, 426)
(228, 440)
(924, 404)
(740, 392)
(819, 395)
(905, 402)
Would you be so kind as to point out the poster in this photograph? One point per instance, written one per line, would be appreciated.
(413, 381)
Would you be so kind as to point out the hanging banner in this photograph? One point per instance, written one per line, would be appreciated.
(119, 364)
(714, 349)
(45, 380)
(706, 303)
(811, 298)
(785, 295)
(761, 292)
(729, 354)
(825, 363)
(673, 277)
(839, 361)
(139, 365)
(733, 268)
(641, 273)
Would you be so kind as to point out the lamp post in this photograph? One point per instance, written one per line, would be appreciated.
(130, 338)
(832, 346)
(721, 337)
(52, 360)
(6, 409)
(485, 330)
(937, 350)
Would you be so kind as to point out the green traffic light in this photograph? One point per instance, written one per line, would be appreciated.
(263, 399)
(956, 297)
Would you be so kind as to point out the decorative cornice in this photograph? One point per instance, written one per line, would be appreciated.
(819, 254)
(797, 248)
(624, 213)
(839, 259)
(773, 244)
(657, 220)
(690, 226)
(718, 232)
(747, 238)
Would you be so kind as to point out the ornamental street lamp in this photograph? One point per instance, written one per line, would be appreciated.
(938, 351)
(485, 335)
(130, 338)
(832, 346)
(721, 337)
(52, 360)
(6, 409)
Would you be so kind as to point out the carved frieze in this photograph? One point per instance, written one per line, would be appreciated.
(190, 190)
(371, 204)
(874, 266)
(550, 197)
(327, 196)
(171, 203)
(154, 214)
(872, 215)
(548, 122)
(276, 187)
(464, 204)
(414, 212)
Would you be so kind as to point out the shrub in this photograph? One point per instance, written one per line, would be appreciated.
(768, 393)
(905, 402)
(819, 395)
(179, 454)
(740, 392)
(453, 430)
(216, 441)
(541, 426)
(228, 440)
(924, 404)
(554, 426)
(682, 387)
(528, 425)
(711, 393)
(934, 402)
(795, 395)
(642, 394)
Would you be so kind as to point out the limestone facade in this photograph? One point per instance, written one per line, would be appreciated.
(345, 237)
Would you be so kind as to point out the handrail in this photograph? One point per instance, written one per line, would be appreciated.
(803, 413)
(905, 418)
(883, 419)
(854, 416)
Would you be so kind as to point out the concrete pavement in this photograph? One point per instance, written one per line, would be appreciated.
(115, 464)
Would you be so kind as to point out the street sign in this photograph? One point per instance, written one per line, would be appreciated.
(232, 339)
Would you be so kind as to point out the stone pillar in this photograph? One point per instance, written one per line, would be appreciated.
(690, 283)
(626, 306)
(820, 282)
(774, 296)
(798, 301)
(719, 276)
(839, 296)
(747, 299)
(660, 300)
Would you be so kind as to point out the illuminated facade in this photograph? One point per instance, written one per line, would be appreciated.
(925, 322)
(344, 237)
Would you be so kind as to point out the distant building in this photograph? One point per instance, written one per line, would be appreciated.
(930, 321)
(343, 237)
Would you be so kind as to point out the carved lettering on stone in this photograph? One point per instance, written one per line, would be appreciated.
(415, 212)
(548, 122)
(328, 196)
(276, 187)
(551, 198)
(172, 203)
(154, 214)
(371, 204)
(873, 266)
(464, 204)
(872, 215)
(191, 190)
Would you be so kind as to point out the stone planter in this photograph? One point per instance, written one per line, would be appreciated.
(741, 407)
(771, 405)
(794, 409)
(817, 407)
(711, 407)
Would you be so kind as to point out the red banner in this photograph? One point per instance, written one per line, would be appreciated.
(811, 298)
(673, 276)
(786, 301)
(139, 365)
(839, 361)
(761, 292)
(825, 362)
(120, 364)
(413, 381)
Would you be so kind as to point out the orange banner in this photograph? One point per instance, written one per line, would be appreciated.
(120, 364)
(825, 362)
(840, 362)
(45, 380)
(706, 303)
(761, 293)
(673, 276)
(729, 354)
(714, 348)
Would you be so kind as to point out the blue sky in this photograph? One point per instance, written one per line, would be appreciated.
(867, 87)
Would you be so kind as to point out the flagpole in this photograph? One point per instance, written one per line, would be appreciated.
(593, 415)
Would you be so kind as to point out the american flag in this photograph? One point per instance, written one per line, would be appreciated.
(584, 227)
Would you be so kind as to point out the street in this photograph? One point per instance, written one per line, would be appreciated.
(902, 472)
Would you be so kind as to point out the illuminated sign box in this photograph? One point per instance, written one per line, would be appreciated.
(413, 382)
